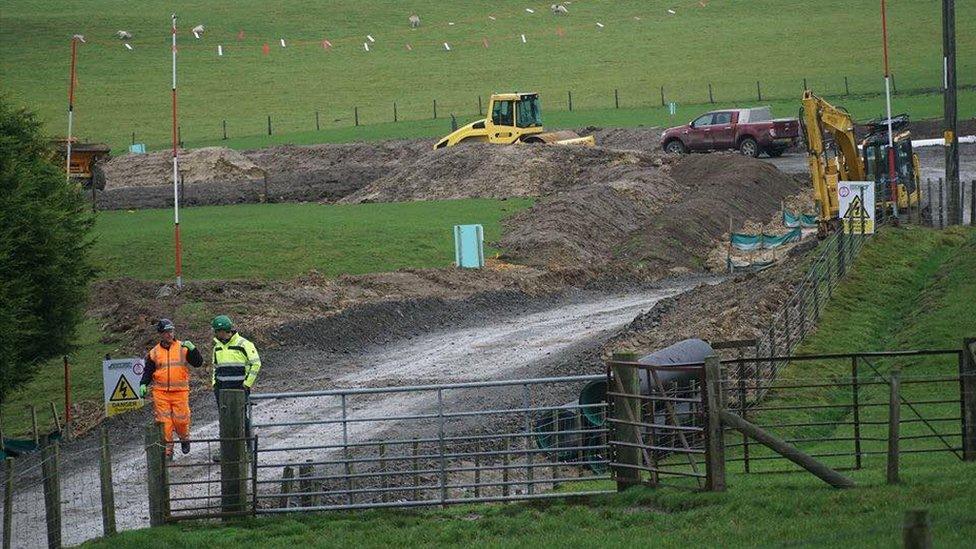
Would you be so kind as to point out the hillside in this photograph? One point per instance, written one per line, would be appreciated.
(638, 47)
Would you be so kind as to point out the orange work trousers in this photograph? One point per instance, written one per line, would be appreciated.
(173, 411)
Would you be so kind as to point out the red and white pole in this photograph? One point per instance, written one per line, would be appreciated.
(176, 187)
(892, 173)
(71, 104)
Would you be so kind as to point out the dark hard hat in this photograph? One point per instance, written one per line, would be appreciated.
(165, 325)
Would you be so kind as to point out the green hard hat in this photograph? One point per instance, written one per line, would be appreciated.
(222, 322)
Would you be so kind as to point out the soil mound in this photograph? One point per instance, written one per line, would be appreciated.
(630, 139)
(490, 171)
(666, 219)
(198, 165)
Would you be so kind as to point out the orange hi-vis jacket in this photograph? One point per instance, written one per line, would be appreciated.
(172, 372)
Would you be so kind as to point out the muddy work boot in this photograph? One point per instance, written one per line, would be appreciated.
(185, 446)
(216, 456)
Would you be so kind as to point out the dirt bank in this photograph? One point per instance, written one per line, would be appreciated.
(665, 219)
(195, 166)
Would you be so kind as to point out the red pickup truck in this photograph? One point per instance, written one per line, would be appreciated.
(751, 131)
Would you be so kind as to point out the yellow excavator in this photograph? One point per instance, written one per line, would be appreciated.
(838, 158)
(514, 118)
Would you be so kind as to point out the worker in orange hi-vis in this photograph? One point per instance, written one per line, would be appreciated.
(168, 373)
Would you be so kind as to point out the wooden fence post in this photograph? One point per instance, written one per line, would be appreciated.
(847, 88)
(715, 443)
(8, 502)
(758, 91)
(894, 419)
(710, 98)
(628, 410)
(967, 387)
(570, 95)
(435, 109)
(52, 493)
(616, 99)
(317, 126)
(355, 113)
(916, 533)
(233, 452)
(269, 124)
(224, 124)
(156, 481)
(105, 476)
(480, 110)
(34, 431)
(662, 96)
(287, 476)
(395, 116)
(305, 485)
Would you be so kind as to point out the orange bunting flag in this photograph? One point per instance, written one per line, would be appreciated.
(326, 44)
(265, 49)
(240, 35)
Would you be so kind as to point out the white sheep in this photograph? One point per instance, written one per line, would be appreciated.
(414, 21)
(559, 9)
(124, 35)
(197, 30)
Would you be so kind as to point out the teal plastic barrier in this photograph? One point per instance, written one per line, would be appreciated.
(748, 242)
(137, 148)
(469, 246)
(791, 219)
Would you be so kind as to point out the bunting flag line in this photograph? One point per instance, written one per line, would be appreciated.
(265, 49)
(282, 42)
(220, 50)
(447, 47)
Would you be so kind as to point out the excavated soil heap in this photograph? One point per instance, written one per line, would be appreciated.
(665, 219)
(197, 165)
(489, 171)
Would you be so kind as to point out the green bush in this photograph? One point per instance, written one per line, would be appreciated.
(44, 243)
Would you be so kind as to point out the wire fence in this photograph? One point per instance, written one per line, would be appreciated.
(676, 99)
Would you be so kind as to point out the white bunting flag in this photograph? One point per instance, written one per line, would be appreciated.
(409, 47)
(220, 51)
(492, 17)
(370, 37)
(450, 24)
(282, 42)
(523, 38)
(196, 35)
(447, 47)
(530, 10)
(366, 46)
(128, 46)
(600, 25)
(672, 12)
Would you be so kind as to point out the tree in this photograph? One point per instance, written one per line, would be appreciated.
(45, 237)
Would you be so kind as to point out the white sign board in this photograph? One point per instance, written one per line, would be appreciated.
(856, 200)
(121, 378)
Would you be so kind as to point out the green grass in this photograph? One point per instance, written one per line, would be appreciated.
(728, 44)
(274, 241)
(922, 106)
(910, 288)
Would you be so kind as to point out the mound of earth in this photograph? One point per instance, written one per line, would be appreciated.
(197, 165)
(489, 171)
(667, 219)
(631, 139)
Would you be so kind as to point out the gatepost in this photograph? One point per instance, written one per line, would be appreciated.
(233, 453)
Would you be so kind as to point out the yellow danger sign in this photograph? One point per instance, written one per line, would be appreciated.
(856, 201)
(123, 391)
(120, 378)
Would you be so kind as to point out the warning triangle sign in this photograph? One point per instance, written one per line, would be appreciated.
(123, 391)
(855, 210)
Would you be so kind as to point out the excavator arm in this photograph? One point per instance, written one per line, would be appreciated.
(819, 117)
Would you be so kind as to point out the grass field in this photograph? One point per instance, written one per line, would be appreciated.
(273, 241)
(910, 288)
(728, 44)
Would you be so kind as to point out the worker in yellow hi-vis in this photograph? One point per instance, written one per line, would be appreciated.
(235, 362)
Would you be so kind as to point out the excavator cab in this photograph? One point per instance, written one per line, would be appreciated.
(512, 118)
(874, 155)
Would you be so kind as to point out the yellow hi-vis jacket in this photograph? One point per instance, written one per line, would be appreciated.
(236, 363)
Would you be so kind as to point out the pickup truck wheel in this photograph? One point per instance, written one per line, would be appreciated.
(675, 147)
(749, 147)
